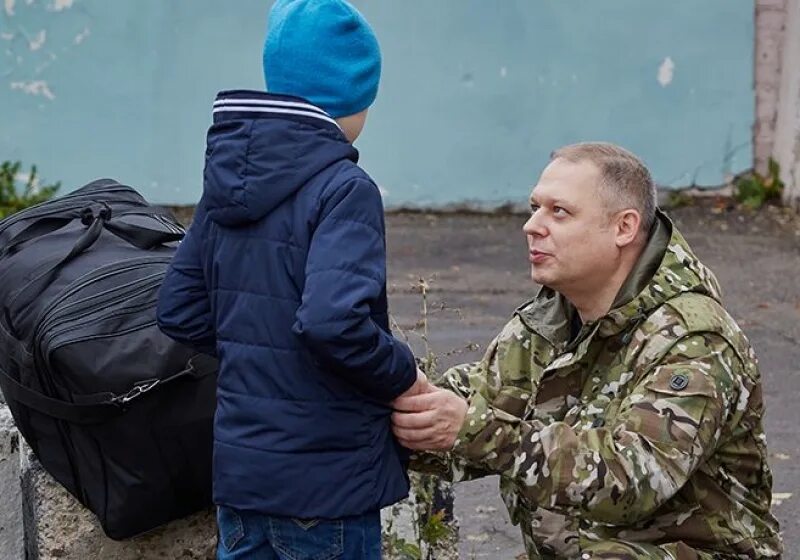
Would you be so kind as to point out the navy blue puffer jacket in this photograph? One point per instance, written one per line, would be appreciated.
(282, 275)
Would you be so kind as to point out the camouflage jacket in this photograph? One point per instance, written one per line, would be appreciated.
(646, 426)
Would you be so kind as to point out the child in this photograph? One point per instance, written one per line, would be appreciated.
(282, 275)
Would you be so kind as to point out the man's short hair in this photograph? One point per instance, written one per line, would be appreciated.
(625, 180)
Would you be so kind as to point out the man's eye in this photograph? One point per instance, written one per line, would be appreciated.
(559, 211)
(534, 208)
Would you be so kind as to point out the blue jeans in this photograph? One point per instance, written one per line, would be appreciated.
(245, 535)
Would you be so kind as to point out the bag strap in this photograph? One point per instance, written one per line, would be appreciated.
(71, 412)
(138, 236)
(39, 227)
(198, 367)
(38, 284)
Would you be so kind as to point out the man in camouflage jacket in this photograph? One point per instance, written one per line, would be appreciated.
(630, 428)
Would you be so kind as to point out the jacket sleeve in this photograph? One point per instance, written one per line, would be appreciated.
(621, 472)
(345, 286)
(444, 464)
(184, 305)
(510, 368)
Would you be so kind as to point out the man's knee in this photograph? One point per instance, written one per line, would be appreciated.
(620, 550)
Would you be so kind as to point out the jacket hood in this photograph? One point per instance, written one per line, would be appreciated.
(666, 269)
(261, 150)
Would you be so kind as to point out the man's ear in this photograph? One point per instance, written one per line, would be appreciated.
(627, 224)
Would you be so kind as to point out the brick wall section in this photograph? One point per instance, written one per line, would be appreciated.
(770, 26)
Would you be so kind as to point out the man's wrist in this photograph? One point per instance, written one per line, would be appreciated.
(478, 416)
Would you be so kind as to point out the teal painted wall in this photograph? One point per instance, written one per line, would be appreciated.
(475, 94)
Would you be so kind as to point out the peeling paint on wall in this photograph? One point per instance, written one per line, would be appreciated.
(61, 5)
(42, 67)
(38, 43)
(38, 40)
(34, 87)
(666, 72)
(81, 37)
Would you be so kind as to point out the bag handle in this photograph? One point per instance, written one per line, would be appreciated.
(40, 227)
(141, 237)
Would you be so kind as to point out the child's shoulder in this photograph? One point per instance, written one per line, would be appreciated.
(348, 171)
(348, 178)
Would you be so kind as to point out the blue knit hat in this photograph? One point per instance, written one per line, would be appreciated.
(323, 51)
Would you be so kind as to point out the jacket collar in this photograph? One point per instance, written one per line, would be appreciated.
(237, 104)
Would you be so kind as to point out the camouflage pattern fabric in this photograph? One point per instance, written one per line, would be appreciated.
(645, 428)
(618, 550)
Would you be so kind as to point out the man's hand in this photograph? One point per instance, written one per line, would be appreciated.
(429, 421)
(421, 385)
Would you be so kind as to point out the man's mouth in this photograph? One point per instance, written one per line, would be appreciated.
(537, 257)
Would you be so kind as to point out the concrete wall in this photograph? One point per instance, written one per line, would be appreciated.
(474, 95)
(770, 29)
(787, 131)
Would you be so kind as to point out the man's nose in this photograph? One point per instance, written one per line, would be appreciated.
(534, 226)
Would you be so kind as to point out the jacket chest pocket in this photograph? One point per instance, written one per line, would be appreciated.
(514, 401)
(558, 393)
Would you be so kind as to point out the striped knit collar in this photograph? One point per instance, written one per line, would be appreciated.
(258, 104)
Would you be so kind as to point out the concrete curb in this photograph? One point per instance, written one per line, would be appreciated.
(40, 520)
(11, 522)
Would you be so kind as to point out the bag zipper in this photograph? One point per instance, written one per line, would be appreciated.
(90, 278)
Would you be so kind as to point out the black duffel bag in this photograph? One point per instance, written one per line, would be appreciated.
(114, 410)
